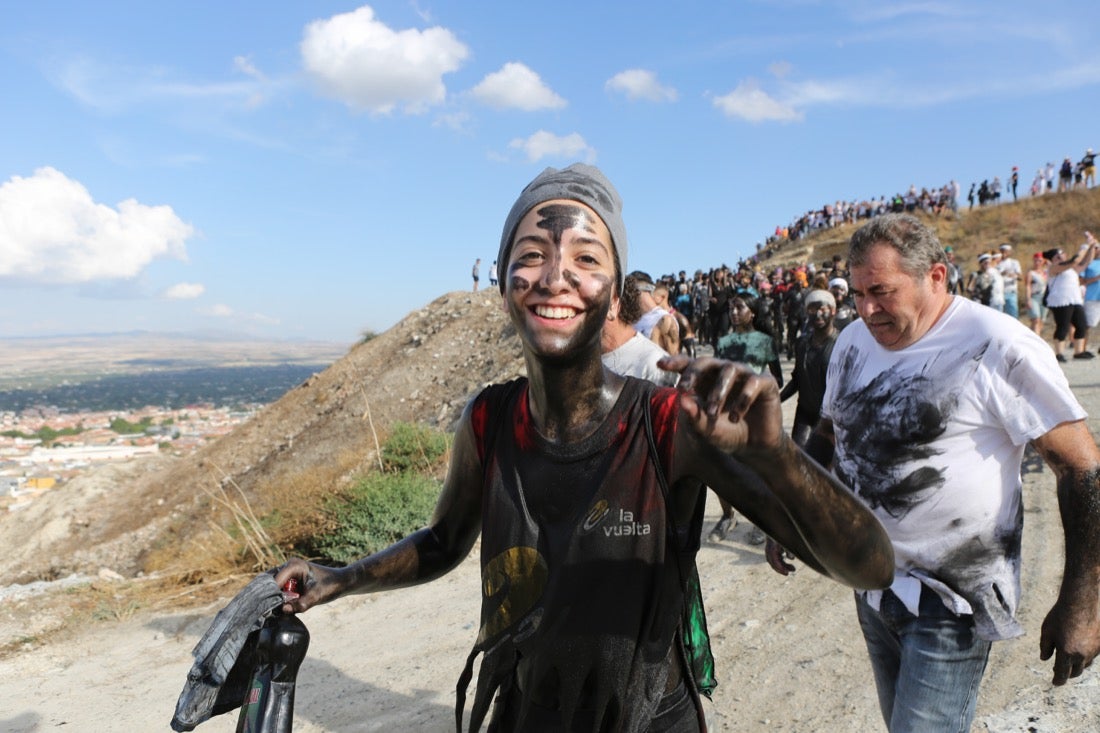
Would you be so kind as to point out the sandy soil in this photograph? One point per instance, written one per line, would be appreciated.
(790, 657)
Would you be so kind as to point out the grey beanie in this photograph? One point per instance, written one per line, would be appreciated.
(819, 296)
(579, 182)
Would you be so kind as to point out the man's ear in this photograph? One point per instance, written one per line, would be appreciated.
(938, 273)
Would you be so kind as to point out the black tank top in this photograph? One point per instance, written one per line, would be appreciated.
(581, 575)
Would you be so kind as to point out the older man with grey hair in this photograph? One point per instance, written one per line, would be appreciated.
(929, 404)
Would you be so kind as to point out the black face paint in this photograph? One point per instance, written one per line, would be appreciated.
(556, 218)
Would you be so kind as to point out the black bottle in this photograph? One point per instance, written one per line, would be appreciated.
(268, 706)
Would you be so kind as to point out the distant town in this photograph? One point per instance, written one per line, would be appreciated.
(50, 433)
(42, 447)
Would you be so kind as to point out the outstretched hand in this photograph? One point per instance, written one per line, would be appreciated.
(729, 405)
(1073, 640)
(316, 584)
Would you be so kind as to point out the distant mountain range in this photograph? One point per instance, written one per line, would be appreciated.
(210, 348)
(43, 362)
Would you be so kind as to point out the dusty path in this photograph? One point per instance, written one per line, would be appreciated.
(789, 655)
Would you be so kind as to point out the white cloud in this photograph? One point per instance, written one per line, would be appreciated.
(52, 232)
(218, 310)
(367, 65)
(749, 102)
(244, 65)
(221, 310)
(114, 89)
(457, 121)
(545, 144)
(516, 86)
(878, 12)
(184, 291)
(640, 84)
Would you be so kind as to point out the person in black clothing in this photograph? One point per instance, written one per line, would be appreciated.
(587, 489)
(984, 194)
(721, 290)
(811, 365)
(1065, 175)
(811, 362)
(792, 306)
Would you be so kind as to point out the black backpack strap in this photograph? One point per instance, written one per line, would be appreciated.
(694, 637)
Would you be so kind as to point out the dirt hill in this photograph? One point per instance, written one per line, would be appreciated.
(154, 516)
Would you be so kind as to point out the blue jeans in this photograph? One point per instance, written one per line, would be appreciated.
(1012, 305)
(927, 668)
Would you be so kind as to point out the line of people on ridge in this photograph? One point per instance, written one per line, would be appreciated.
(934, 200)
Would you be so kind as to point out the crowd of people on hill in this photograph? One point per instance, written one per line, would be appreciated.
(710, 307)
(935, 200)
(930, 200)
(1049, 178)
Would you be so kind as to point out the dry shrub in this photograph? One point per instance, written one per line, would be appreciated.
(297, 500)
(233, 532)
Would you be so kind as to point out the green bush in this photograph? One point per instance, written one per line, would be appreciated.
(413, 448)
(379, 510)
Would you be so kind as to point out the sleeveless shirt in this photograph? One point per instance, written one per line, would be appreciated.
(582, 566)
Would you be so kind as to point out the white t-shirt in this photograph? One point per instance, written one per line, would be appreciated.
(932, 436)
(649, 321)
(1065, 289)
(997, 295)
(638, 357)
(1010, 270)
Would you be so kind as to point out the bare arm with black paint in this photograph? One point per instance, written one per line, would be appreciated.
(1071, 630)
(739, 449)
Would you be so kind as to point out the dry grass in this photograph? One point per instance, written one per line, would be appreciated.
(246, 533)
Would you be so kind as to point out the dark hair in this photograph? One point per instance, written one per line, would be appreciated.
(760, 320)
(630, 309)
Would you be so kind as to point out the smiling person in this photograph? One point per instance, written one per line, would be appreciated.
(586, 489)
(929, 402)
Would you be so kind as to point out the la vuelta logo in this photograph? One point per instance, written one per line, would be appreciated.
(624, 524)
(627, 527)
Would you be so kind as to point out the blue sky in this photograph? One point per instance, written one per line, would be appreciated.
(319, 169)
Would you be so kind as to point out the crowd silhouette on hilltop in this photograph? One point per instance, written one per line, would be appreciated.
(702, 302)
(934, 200)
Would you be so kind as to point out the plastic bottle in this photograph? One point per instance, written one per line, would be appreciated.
(280, 649)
